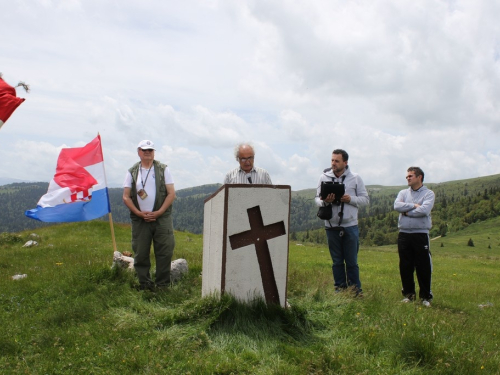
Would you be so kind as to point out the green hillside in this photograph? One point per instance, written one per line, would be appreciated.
(73, 314)
(16, 198)
(458, 204)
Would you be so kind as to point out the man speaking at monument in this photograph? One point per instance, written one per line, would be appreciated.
(148, 192)
(245, 235)
(246, 173)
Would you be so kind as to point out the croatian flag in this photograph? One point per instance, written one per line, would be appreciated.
(78, 191)
(8, 101)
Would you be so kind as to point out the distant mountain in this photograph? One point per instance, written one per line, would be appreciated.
(458, 204)
(7, 180)
(204, 190)
(16, 198)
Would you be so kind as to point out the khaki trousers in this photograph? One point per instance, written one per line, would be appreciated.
(161, 234)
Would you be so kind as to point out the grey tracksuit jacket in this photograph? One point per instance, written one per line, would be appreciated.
(411, 219)
(354, 187)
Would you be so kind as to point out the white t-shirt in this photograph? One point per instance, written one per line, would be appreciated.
(149, 185)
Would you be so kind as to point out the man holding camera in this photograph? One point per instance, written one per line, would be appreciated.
(342, 229)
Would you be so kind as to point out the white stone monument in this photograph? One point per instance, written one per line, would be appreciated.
(245, 242)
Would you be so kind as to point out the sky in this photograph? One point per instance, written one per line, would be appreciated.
(395, 83)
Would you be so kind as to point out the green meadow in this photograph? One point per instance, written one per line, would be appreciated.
(74, 314)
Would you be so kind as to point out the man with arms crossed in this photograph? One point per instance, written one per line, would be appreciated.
(246, 173)
(414, 206)
(148, 192)
(342, 230)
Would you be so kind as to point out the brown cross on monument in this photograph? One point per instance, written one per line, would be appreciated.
(258, 236)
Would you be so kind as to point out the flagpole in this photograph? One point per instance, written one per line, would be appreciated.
(112, 231)
(109, 214)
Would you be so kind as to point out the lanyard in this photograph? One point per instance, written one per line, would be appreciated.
(144, 182)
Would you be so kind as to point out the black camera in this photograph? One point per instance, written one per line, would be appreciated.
(331, 187)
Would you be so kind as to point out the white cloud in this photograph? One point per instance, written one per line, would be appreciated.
(394, 83)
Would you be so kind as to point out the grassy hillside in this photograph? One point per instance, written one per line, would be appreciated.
(458, 204)
(73, 314)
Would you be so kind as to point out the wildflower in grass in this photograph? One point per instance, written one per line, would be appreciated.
(58, 264)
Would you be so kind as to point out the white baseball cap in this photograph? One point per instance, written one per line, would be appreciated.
(146, 145)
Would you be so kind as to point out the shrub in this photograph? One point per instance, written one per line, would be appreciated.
(7, 238)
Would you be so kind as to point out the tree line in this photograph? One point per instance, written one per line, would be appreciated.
(458, 204)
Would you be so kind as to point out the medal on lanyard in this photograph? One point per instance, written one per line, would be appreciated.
(142, 193)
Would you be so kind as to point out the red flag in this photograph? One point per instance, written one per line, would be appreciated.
(8, 101)
(78, 191)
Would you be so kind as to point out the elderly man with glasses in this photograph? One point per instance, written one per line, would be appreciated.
(414, 206)
(246, 173)
(148, 192)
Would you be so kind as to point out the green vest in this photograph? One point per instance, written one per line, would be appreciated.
(161, 189)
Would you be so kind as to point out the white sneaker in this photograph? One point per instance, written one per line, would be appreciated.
(405, 300)
(426, 303)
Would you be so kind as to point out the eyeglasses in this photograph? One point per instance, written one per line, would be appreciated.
(250, 158)
(147, 150)
(410, 176)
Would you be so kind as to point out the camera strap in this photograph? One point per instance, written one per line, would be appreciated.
(341, 212)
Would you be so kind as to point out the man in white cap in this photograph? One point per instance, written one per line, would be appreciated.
(148, 192)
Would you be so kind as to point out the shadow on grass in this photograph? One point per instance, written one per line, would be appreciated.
(257, 319)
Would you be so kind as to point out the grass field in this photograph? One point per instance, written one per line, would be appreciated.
(73, 314)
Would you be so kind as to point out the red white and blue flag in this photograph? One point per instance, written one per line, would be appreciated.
(8, 101)
(78, 191)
